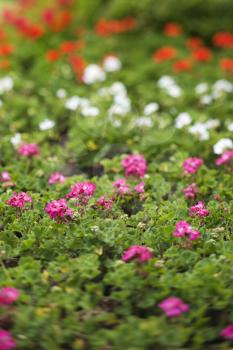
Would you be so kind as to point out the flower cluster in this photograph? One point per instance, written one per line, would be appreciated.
(192, 164)
(183, 228)
(56, 178)
(8, 295)
(82, 191)
(135, 165)
(226, 157)
(19, 200)
(28, 150)
(198, 209)
(190, 191)
(173, 307)
(58, 209)
(140, 253)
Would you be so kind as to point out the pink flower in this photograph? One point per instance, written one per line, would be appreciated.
(140, 187)
(184, 228)
(121, 187)
(141, 253)
(56, 178)
(8, 295)
(190, 191)
(135, 165)
(58, 209)
(6, 340)
(224, 158)
(227, 332)
(173, 306)
(84, 189)
(19, 200)
(198, 209)
(105, 203)
(5, 176)
(192, 164)
(28, 150)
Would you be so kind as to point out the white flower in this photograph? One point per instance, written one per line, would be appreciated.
(111, 64)
(61, 93)
(144, 121)
(117, 88)
(182, 120)
(75, 102)
(151, 108)
(117, 109)
(201, 88)
(90, 111)
(230, 127)
(174, 91)
(93, 73)
(6, 84)
(222, 145)
(212, 123)
(16, 139)
(165, 81)
(46, 124)
(206, 99)
(222, 85)
(199, 130)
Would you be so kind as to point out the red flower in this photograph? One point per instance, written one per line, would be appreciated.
(106, 27)
(164, 53)
(48, 16)
(223, 40)
(52, 55)
(182, 65)
(193, 43)
(68, 46)
(78, 65)
(202, 54)
(226, 64)
(6, 49)
(172, 29)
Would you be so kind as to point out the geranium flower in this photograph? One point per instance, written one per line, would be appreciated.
(19, 200)
(190, 191)
(192, 164)
(58, 209)
(28, 150)
(140, 253)
(226, 157)
(5, 176)
(7, 342)
(198, 209)
(135, 165)
(164, 54)
(56, 178)
(8, 295)
(183, 228)
(227, 332)
(173, 306)
(104, 202)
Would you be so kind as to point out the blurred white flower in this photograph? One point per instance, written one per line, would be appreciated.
(144, 121)
(206, 99)
(201, 88)
(166, 81)
(93, 73)
(111, 64)
(230, 127)
(222, 85)
(222, 145)
(16, 139)
(212, 123)
(117, 88)
(6, 84)
(182, 120)
(75, 102)
(61, 93)
(46, 124)
(151, 108)
(90, 111)
(199, 130)
(174, 91)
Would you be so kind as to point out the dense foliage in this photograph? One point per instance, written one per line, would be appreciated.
(115, 176)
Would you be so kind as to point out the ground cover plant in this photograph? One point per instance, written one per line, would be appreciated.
(116, 159)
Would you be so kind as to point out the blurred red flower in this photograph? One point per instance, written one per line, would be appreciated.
(193, 43)
(202, 54)
(182, 65)
(172, 29)
(226, 64)
(164, 53)
(223, 40)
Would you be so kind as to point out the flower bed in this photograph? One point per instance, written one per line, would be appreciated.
(115, 182)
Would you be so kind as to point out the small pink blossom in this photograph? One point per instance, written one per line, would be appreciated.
(173, 306)
(139, 188)
(7, 342)
(84, 189)
(121, 186)
(227, 332)
(183, 228)
(138, 252)
(28, 150)
(19, 200)
(5, 176)
(192, 164)
(104, 202)
(8, 295)
(225, 158)
(58, 209)
(135, 165)
(56, 178)
(190, 191)
(198, 209)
